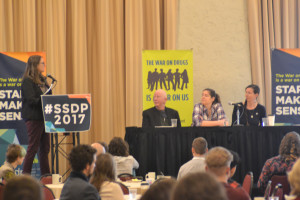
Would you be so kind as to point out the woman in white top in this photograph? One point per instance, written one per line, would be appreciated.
(125, 163)
(103, 178)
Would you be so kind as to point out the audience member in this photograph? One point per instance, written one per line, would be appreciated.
(233, 165)
(14, 156)
(104, 144)
(103, 178)
(197, 164)
(77, 187)
(160, 190)
(218, 161)
(294, 179)
(23, 187)
(99, 148)
(125, 163)
(159, 115)
(199, 186)
(289, 151)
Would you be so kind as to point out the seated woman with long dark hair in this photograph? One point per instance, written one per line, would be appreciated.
(104, 176)
(210, 111)
(251, 112)
(125, 163)
(289, 152)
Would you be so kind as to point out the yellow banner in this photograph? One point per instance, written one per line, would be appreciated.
(172, 71)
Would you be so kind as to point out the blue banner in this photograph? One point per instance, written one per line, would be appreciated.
(12, 126)
(285, 85)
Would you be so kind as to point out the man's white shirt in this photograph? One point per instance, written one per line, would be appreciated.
(197, 164)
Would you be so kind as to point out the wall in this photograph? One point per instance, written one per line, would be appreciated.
(217, 31)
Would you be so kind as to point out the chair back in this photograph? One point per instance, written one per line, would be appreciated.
(248, 183)
(124, 188)
(46, 179)
(125, 177)
(48, 193)
(282, 179)
(1, 191)
(279, 193)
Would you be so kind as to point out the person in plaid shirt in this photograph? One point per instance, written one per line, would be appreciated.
(210, 111)
(289, 151)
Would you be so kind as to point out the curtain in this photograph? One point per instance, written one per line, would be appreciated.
(93, 47)
(272, 24)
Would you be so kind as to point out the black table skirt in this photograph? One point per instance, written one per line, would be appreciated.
(166, 149)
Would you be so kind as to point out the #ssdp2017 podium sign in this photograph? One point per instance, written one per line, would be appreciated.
(66, 114)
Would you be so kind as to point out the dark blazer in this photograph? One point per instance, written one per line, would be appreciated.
(77, 187)
(151, 117)
(256, 120)
(31, 100)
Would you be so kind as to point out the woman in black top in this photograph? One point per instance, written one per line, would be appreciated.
(251, 112)
(33, 86)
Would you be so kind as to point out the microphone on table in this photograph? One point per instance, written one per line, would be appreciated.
(161, 173)
(275, 190)
(53, 79)
(234, 104)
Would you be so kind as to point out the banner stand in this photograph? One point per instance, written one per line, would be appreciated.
(56, 149)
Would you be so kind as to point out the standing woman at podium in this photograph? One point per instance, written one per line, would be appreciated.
(251, 112)
(33, 86)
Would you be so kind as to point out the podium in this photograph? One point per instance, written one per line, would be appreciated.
(65, 116)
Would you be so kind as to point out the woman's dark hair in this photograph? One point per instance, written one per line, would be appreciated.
(118, 147)
(236, 159)
(31, 70)
(105, 170)
(255, 88)
(160, 190)
(213, 93)
(289, 147)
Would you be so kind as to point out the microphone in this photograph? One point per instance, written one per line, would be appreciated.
(49, 75)
(234, 104)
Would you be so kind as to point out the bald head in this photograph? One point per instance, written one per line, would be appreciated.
(160, 99)
(100, 149)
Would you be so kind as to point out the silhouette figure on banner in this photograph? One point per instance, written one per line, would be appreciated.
(162, 77)
(185, 79)
(177, 79)
(149, 79)
(170, 79)
(173, 79)
(153, 79)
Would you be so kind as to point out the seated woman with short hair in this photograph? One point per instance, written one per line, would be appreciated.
(103, 178)
(210, 111)
(125, 163)
(14, 156)
(250, 111)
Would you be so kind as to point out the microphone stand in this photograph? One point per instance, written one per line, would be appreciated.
(238, 117)
(50, 88)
